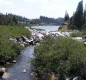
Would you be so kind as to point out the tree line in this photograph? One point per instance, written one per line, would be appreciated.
(11, 19)
(43, 20)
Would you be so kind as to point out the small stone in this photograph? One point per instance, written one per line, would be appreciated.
(24, 71)
(8, 63)
(14, 61)
(2, 69)
(6, 75)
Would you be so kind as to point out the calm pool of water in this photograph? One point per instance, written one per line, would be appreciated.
(47, 28)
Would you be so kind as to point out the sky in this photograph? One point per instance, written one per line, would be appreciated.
(36, 8)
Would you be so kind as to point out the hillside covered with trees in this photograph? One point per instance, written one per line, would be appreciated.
(43, 20)
(11, 19)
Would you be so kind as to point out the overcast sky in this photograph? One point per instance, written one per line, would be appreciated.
(35, 8)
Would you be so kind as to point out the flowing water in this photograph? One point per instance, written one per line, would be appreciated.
(16, 71)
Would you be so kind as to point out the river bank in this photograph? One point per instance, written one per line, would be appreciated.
(9, 46)
(36, 37)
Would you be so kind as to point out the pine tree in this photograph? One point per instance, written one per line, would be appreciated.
(85, 15)
(14, 20)
(84, 19)
(66, 18)
(78, 16)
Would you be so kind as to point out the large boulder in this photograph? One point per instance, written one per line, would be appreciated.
(6, 75)
(2, 70)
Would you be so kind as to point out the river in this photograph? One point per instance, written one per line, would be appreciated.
(23, 63)
(16, 71)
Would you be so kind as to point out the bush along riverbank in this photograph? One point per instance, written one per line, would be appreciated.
(59, 59)
(9, 45)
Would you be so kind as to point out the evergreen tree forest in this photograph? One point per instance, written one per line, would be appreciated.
(11, 19)
(78, 20)
(43, 20)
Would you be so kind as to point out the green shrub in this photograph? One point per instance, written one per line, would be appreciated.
(61, 56)
(76, 34)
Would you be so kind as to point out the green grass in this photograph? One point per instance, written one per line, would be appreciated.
(7, 47)
(63, 28)
(13, 31)
(76, 34)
